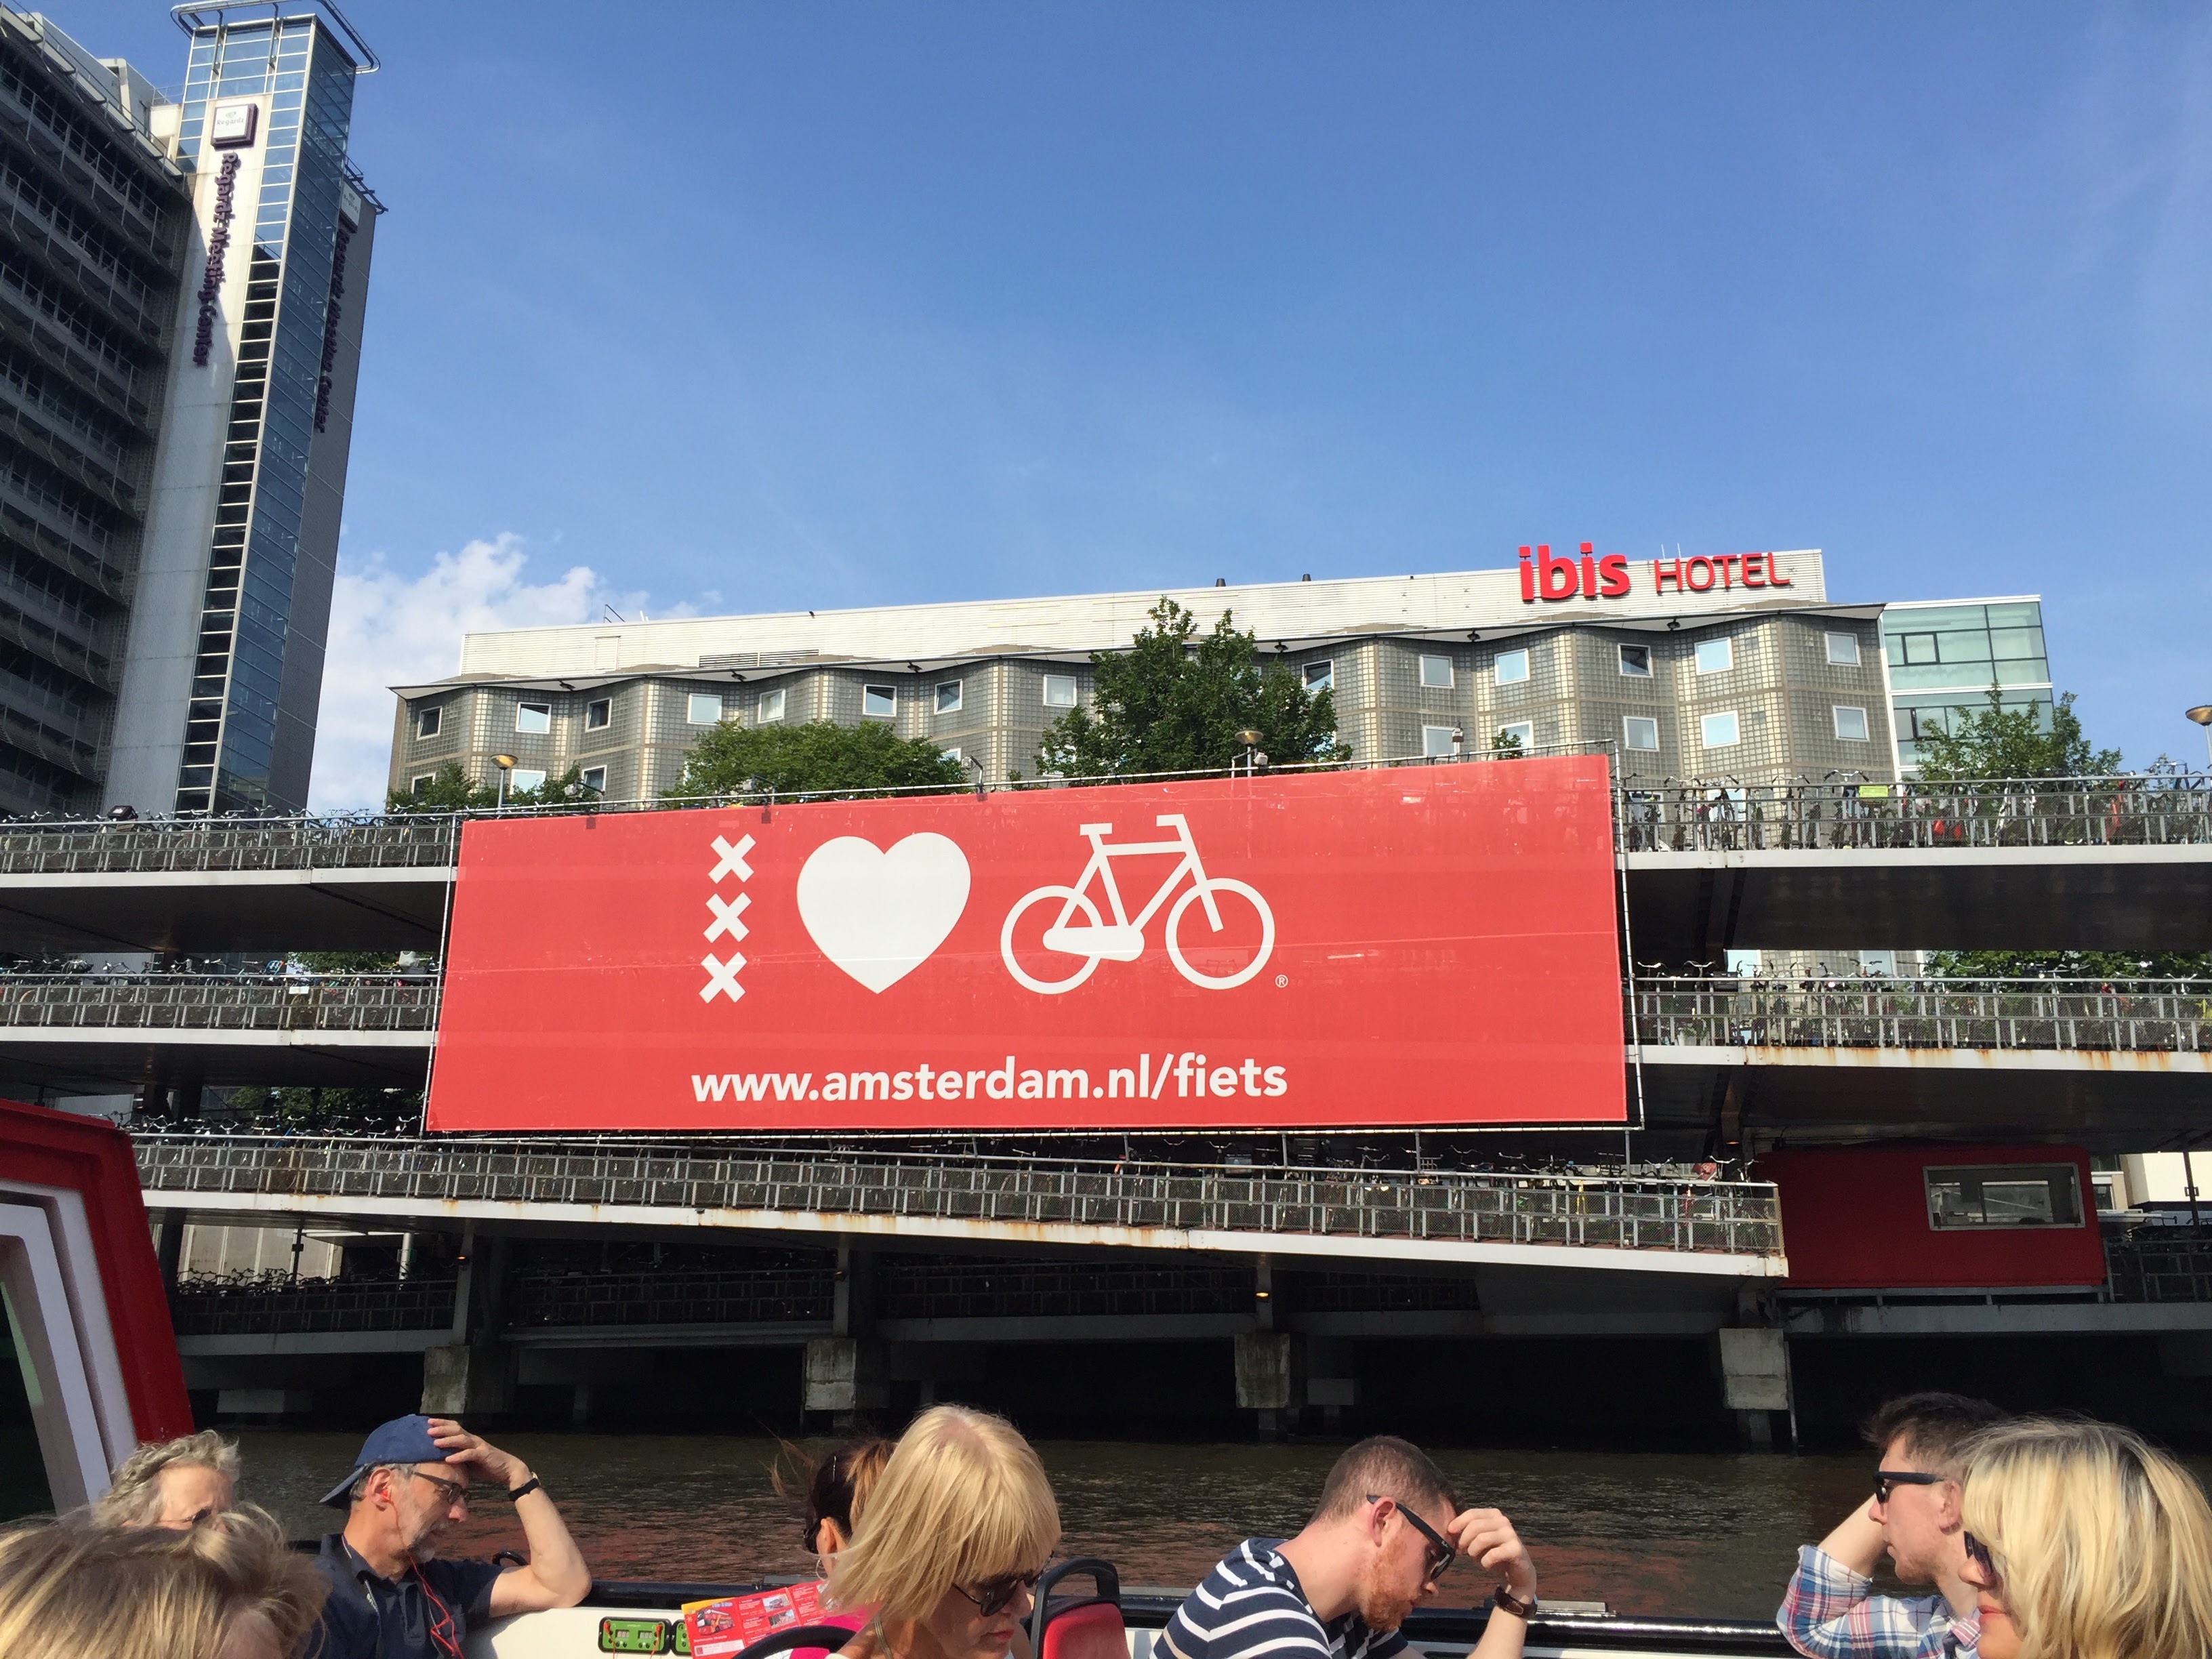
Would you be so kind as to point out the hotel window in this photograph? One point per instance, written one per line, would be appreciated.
(2003, 1195)
(1511, 668)
(948, 697)
(1635, 662)
(769, 707)
(1844, 650)
(1519, 738)
(953, 754)
(593, 778)
(1059, 691)
(1880, 964)
(525, 777)
(1720, 731)
(1714, 656)
(1436, 673)
(878, 702)
(536, 717)
(1320, 677)
(428, 721)
(599, 713)
(1437, 741)
(703, 709)
(1639, 731)
(1851, 723)
(416, 786)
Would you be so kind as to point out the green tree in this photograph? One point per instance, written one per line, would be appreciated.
(449, 790)
(1506, 744)
(1176, 700)
(2069, 964)
(814, 757)
(1998, 741)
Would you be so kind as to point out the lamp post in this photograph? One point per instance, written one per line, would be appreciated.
(506, 764)
(1251, 740)
(2202, 715)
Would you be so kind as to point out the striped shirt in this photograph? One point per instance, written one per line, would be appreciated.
(1253, 1605)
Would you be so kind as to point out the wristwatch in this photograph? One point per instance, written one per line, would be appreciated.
(524, 1490)
(1503, 1598)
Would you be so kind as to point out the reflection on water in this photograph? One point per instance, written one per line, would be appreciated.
(1655, 1533)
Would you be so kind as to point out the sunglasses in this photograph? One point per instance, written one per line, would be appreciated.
(1979, 1553)
(456, 1491)
(1441, 1555)
(997, 1595)
(1885, 1479)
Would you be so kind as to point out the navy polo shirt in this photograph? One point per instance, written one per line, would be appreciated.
(368, 1617)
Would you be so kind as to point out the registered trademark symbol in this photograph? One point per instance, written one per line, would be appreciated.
(1281, 980)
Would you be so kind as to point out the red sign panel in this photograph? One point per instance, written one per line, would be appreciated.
(1412, 945)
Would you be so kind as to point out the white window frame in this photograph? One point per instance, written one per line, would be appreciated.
(599, 713)
(952, 752)
(1319, 676)
(1880, 964)
(593, 777)
(525, 777)
(888, 693)
(1643, 673)
(1451, 678)
(768, 707)
(1850, 644)
(957, 689)
(1627, 736)
(1987, 1175)
(1498, 667)
(421, 781)
(1074, 691)
(543, 710)
(691, 702)
(1735, 719)
(1836, 713)
(1526, 730)
(430, 722)
(1436, 742)
(1727, 646)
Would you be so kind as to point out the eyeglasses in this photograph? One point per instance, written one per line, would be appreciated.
(997, 1595)
(1440, 1555)
(1979, 1553)
(456, 1491)
(1885, 1479)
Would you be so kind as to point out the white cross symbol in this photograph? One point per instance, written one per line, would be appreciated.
(726, 916)
(722, 978)
(732, 858)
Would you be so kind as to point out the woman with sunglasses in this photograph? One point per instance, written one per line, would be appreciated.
(2084, 1543)
(954, 1537)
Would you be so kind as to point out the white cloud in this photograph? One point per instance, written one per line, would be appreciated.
(388, 629)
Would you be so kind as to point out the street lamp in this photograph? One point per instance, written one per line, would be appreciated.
(506, 764)
(2202, 715)
(1251, 740)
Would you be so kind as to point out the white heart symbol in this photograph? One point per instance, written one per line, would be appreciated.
(879, 914)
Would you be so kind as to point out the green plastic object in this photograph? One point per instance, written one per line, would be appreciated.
(643, 1636)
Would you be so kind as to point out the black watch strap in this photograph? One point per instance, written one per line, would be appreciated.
(1506, 1600)
(526, 1489)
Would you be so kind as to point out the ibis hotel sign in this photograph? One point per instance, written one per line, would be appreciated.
(1547, 578)
(1402, 945)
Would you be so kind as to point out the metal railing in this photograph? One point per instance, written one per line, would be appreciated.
(141, 846)
(221, 1002)
(2160, 1264)
(2170, 1016)
(1740, 1218)
(264, 1303)
(710, 1296)
(970, 1290)
(1720, 815)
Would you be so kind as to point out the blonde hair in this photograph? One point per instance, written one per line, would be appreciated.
(133, 1499)
(144, 1593)
(2103, 1544)
(963, 1499)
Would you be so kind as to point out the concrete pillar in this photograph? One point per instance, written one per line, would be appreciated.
(467, 1380)
(843, 1376)
(580, 1405)
(169, 1246)
(1755, 1364)
(853, 1307)
(1270, 1383)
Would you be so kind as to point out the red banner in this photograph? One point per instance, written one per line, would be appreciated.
(1412, 946)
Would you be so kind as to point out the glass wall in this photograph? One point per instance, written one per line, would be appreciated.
(1943, 658)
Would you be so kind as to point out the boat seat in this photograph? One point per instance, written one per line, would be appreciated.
(1079, 1626)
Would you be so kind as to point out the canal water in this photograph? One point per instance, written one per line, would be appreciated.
(1649, 1533)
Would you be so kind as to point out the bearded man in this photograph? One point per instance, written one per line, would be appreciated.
(392, 1597)
(1384, 1531)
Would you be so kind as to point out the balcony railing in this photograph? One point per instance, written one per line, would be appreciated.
(103, 846)
(1720, 815)
(261, 1303)
(2169, 1015)
(2160, 1264)
(712, 1296)
(221, 1002)
(1740, 1218)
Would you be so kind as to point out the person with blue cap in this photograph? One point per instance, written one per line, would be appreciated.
(392, 1597)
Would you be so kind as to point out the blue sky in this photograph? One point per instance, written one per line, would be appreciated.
(745, 306)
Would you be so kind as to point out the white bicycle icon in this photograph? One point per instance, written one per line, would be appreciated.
(1095, 941)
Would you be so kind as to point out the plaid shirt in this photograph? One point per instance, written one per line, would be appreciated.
(1827, 1613)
